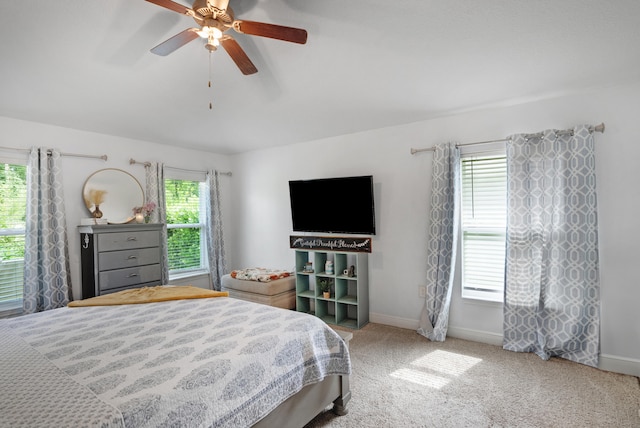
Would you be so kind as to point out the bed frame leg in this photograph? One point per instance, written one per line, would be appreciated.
(340, 403)
(340, 410)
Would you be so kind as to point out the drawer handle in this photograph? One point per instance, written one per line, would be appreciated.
(132, 257)
(132, 238)
(132, 275)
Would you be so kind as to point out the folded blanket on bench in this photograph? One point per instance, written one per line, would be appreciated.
(159, 293)
(259, 274)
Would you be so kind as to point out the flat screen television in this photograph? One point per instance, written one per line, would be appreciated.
(333, 205)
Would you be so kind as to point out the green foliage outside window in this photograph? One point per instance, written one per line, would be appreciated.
(182, 199)
(13, 214)
(13, 209)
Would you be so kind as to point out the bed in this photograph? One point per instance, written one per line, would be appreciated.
(218, 362)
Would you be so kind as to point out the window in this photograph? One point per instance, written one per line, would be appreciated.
(483, 210)
(185, 225)
(13, 210)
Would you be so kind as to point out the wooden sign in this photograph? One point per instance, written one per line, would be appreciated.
(330, 243)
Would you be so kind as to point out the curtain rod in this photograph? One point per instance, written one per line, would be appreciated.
(133, 161)
(597, 128)
(75, 155)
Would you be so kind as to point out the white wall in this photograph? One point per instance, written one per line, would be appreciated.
(23, 134)
(402, 183)
(258, 220)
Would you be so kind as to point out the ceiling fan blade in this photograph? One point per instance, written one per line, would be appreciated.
(168, 4)
(279, 32)
(237, 55)
(175, 42)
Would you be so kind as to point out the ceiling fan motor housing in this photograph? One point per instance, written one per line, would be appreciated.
(214, 10)
(218, 4)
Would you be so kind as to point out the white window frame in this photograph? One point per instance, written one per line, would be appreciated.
(12, 307)
(476, 291)
(178, 174)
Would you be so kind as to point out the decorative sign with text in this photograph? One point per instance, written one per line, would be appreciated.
(329, 243)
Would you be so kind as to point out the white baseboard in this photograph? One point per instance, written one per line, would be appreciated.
(610, 363)
(460, 333)
(393, 321)
(475, 335)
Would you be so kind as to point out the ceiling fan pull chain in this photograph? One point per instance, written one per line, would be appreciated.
(210, 103)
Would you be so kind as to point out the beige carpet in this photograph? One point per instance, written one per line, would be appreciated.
(400, 379)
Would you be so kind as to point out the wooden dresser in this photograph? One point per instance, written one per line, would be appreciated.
(118, 257)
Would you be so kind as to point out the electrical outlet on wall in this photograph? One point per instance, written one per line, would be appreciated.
(422, 291)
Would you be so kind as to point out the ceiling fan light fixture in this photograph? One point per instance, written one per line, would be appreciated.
(204, 32)
(210, 32)
(212, 43)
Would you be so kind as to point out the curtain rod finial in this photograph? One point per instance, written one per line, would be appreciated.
(599, 128)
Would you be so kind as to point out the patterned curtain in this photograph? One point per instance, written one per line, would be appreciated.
(154, 177)
(442, 238)
(47, 283)
(215, 239)
(552, 292)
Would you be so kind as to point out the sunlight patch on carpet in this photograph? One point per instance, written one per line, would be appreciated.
(447, 364)
(421, 378)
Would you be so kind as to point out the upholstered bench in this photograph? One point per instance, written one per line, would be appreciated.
(278, 292)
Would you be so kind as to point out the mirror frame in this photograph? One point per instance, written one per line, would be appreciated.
(112, 181)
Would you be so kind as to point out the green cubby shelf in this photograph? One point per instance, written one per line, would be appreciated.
(348, 305)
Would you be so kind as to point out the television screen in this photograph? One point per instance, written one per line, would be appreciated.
(333, 205)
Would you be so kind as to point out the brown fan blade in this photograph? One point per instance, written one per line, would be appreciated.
(237, 55)
(175, 42)
(279, 32)
(168, 4)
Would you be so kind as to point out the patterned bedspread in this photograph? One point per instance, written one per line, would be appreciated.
(206, 362)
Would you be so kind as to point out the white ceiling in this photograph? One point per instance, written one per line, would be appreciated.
(367, 64)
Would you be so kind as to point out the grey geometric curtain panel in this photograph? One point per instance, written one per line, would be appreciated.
(215, 239)
(442, 241)
(552, 292)
(154, 190)
(47, 283)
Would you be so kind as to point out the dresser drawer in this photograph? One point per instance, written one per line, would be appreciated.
(128, 258)
(127, 240)
(129, 276)
(129, 287)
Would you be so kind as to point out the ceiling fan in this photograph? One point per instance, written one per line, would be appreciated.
(215, 17)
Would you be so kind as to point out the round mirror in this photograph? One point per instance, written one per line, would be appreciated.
(113, 193)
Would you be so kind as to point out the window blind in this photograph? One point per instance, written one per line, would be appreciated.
(483, 210)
